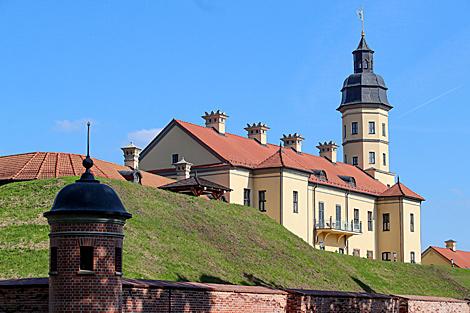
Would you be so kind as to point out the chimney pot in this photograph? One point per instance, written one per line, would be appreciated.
(131, 155)
(183, 169)
(216, 120)
(328, 150)
(258, 131)
(451, 244)
(293, 141)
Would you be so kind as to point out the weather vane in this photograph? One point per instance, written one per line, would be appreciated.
(360, 14)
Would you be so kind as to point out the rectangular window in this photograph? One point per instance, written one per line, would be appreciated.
(369, 221)
(321, 214)
(356, 217)
(371, 128)
(118, 260)
(354, 128)
(386, 256)
(247, 197)
(412, 222)
(371, 157)
(341, 250)
(356, 252)
(386, 221)
(344, 131)
(384, 132)
(262, 200)
(53, 260)
(345, 158)
(338, 216)
(295, 197)
(355, 160)
(412, 257)
(370, 254)
(86, 258)
(174, 158)
(384, 159)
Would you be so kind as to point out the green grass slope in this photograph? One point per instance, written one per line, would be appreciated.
(176, 237)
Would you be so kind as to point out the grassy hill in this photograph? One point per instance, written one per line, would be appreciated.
(176, 237)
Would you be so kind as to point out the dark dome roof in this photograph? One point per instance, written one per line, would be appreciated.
(88, 197)
(364, 88)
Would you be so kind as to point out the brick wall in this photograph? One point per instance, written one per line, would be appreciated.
(420, 304)
(24, 296)
(140, 296)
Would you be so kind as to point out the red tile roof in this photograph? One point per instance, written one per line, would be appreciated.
(241, 151)
(400, 190)
(461, 258)
(41, 165)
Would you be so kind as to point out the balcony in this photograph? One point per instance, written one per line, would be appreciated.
(339, 228)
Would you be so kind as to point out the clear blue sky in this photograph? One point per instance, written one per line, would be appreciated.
(131, 66)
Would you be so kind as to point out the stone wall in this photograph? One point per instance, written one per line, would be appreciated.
(140, 296)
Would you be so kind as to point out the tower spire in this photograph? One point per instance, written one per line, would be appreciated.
(88, 162)
(360, 14)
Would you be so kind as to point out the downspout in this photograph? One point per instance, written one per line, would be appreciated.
(281, 196)
(314, 239)
(346, 243)
(402, 246)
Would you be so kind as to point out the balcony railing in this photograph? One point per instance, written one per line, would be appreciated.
(352, 226)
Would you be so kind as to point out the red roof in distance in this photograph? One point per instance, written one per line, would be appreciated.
(42, 165)
(461, 258)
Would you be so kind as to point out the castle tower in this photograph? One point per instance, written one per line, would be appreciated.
(86, 235)
(364, 108)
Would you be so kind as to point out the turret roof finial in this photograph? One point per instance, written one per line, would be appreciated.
(88, 162)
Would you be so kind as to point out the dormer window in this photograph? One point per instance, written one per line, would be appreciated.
(349, 180)
(320, 175)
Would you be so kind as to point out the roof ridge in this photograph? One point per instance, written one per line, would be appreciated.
(399, 187)
(26, 164)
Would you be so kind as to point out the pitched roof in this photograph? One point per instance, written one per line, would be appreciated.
(245, 152)
(195, 181)
(42, 165)
(400, 190)
(461, 258)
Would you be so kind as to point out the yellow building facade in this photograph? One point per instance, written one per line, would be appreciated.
(352, 207)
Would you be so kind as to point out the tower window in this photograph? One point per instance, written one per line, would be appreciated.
(370, 254)
(295, 196)
(86, 258)
(262, 200)
(53, 260)
(412, 222)
(118, 259)
(174, 158)
(412, 257)
(384, 131)
(354, 128)
(371, 128)
(247, 197)
(371, 157)
(386, 221)
(355, 160)
(384, 159)
(345, 158)
(344, 131)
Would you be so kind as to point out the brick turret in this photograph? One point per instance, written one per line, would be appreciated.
(86, 236)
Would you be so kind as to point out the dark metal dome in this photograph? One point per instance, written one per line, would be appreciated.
(364, 87)
(87, 196)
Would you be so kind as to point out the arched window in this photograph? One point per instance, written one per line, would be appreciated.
(366, 63)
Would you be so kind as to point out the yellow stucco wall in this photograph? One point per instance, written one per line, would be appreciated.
(268, 180)
(362, 148)
(431, 257)
(176, 141)
(241, 179)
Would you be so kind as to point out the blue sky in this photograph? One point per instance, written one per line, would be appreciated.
(131, 66)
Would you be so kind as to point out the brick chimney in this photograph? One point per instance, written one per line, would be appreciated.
(293, 141)
(328, 150)
(131, 156)
(183, 169)
(258, 132)
(216, 120)
(451, 244)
